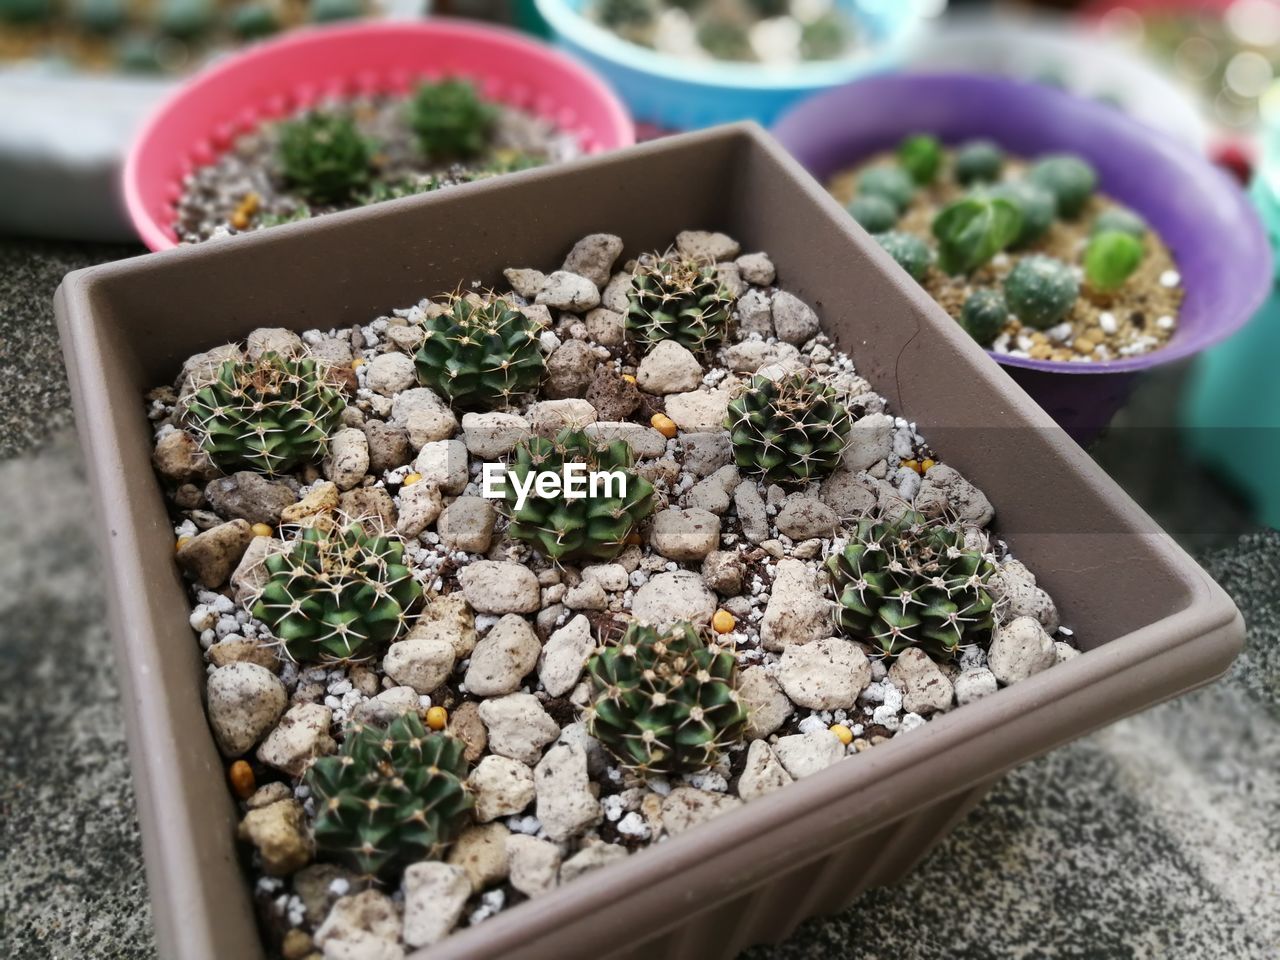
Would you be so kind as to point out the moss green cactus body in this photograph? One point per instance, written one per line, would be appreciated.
(873, 213)
(1040, 291)
(1069, 178)
(788, 431)
(1039, 208)
(888, 181)
(673, 298)
(1111, 258)
(1118, 218)
(911, 253)
(451, 119)
(324, 157)
(972, 230)
(921, 156)
(978, 161)
(984, 315)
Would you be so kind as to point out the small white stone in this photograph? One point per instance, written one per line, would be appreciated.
(763, 772)
(805, 754)
(435, 895)
(566, 806)
(1020, 650)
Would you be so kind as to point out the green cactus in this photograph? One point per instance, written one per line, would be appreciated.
(724, 39)
(451, 120)
(921, 156)
(324, 157)
(788, 431)
(254, 20)
(911, 253)
(1040, 291)
(596, 526)
(480, 354)
(101, 17)
(984, 315)
(1039, 208)
(1121, 219)
(268, 415)
(390, 798)
(873, 213)
(337, 593)
(913, 583)
(673, 298)
(825, 37)
(26, 12)
(972, 230)
(1070, 179)
(665, 701)
(333, 11)
(978, 161)
(1110, 259)
(185, 19)
(888, 181)
(624, 14)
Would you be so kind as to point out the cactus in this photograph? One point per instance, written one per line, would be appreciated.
(1121, 219)
(185, 19)
(665, 700)
(101, 17)
(911, 253)
(337, 593)
(1070, 179)
(480, 354)
(254, 20)
(596, 526)
(724, 39)
(1039, 208)
(1110, 259)
(268, 415)
(788, 431)
(873, 213)
(324, 156)
(972, 230)
(26, 12)
(921, 156)
(892, 183)
(450, 119)
(332, 11)
(984, 315)
(624, 14)
(1040, 291)
(825, 37)
(978, 161)
(913, 583)
(675, 298)
(391, 797)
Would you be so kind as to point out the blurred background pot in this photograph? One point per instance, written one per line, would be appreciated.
(1214, 234)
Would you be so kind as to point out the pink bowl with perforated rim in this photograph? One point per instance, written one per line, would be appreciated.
(202, 118)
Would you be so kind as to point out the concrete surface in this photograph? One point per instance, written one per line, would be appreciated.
(1159, 837)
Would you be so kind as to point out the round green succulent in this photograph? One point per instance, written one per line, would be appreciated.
(675, 298)
(913, 583)
(101, 17)
(324, 157)
(451, 119)
(1038, 207)
(665, 701)
(622, 14)
(337, 593)
(972, 230)
(267, 415)
(391, 797)
(724, 39)
(332, 11)
(480, 355)
(185, 19)
(1121, 219)
(921, 156)
(1069, 178)
(984, 315)
(252, 21)
(1040, 291)
(978, 161)
(1111, 258)
(562, 526)
(911, 253)
(825, 37)
(790, 431)
(873, 213)
(888, 181)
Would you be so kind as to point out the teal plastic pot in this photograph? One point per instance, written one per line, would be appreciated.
(1232, 414)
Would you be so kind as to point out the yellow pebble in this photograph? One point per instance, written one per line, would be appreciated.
(925, 465)
(664, 425)
(437, 718)
(913, 464)
(843, 733)
(1096, 334)
(629, 378)
(261, 530)
(242, 780)
(357, 362)
(723, 621)
(182, 542)
(410, 479)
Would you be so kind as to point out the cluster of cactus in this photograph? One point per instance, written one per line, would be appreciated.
(680, 299)
(268, 415)
(665, 700)
(337, 593)
(595, 526)
(789, 431)
(450, 119)
(324, 156)
(480, 352)
(391, 797)
(912, 582)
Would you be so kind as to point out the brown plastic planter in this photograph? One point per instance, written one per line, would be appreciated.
(1153, 623)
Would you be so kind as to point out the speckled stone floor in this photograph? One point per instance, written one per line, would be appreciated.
(1159, 837)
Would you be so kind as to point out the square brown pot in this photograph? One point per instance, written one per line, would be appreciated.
(1152, 622)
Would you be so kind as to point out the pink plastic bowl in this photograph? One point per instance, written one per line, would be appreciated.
(203, 117)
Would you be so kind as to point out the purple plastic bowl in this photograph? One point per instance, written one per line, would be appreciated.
(1208, 223)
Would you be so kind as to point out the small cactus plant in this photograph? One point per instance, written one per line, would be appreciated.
(674, 298)
(911, 253)
(724, 39)
(1118, 218)
(921, 156)
(480, 354)
(625, 14)
(984, 315)
(665, 700)
(595, 526)
(1110, 259)
(888, 181)
(391, 797)
(972, 230)
(450, 119)
(825, 37)
(873, 213)
(1040, 291)
(1070, 179)
(267, 415)
(912, 582)
(788, 431)
(324, 157)
(978, 161)
(1039, 208)
(337, 593)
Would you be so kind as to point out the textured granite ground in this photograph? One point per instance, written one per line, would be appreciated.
(1159, 837)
